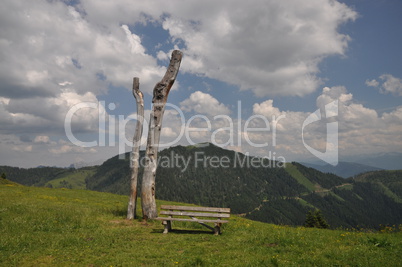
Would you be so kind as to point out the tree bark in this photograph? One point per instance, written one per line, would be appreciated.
(160, 95)
(135, 153)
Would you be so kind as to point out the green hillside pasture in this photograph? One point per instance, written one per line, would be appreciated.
(72, 180)
(305, 203)
(388, 192)
(8, 182)
(62, 227)
(295, 173)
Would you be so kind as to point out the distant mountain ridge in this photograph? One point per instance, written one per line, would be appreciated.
(387, 161)
(343, 169)
(265, 191)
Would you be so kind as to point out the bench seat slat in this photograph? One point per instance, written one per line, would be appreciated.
(189, 208)
(211, 215)
(195, 214)
(190, 220)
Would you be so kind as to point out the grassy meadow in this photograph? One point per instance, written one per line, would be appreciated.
(63, 227)
(74, 180)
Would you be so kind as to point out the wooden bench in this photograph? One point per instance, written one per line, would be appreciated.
(201, 215)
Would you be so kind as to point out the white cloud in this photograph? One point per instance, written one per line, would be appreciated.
(266, 108)
(372, 83)
(42, 139)
(168, 132)
(55, 56)
(38, 115)
(67, 148)
(361, 129)
(390, 84)
(52, 58)
(203, 103)
(17, 152)
(270, 47)
(52, 55)
(4, 100)
(27, 148)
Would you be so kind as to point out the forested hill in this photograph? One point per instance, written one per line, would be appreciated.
(257, 188)
(49, 176)
(388, 182)
(33, 176)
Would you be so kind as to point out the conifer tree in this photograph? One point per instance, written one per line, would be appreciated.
(315, 219)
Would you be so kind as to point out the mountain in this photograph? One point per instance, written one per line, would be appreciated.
(343, 169)
(387, 161)
(253, 187)
(82, 164)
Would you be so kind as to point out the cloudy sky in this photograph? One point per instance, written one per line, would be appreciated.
(253, 76)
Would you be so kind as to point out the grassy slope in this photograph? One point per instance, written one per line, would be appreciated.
(295, 173)
(75, 179)
(389, 193)
(60, 227)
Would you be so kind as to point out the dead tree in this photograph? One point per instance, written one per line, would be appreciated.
(135, 154)
(160, 95)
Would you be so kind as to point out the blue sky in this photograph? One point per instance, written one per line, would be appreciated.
(285, 59)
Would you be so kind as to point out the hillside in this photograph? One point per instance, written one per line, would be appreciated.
(33, 176)
(254, 188)
(8, 182)
(268, 194)
(388, 182)
(49, 176)
(62, 227)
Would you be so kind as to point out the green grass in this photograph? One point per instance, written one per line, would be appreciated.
(305, 203)
(7, 182)
(389, 193)
(336, 196)
(73, 180)
(295, 173)
(345, 187)
(62, 227)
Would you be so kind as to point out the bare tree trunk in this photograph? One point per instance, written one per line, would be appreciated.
(135, 154)
(161, 92)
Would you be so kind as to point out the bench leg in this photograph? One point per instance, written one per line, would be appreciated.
(168, 226)
(217, 228)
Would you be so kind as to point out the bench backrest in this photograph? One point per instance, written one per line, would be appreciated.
(195, 211)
